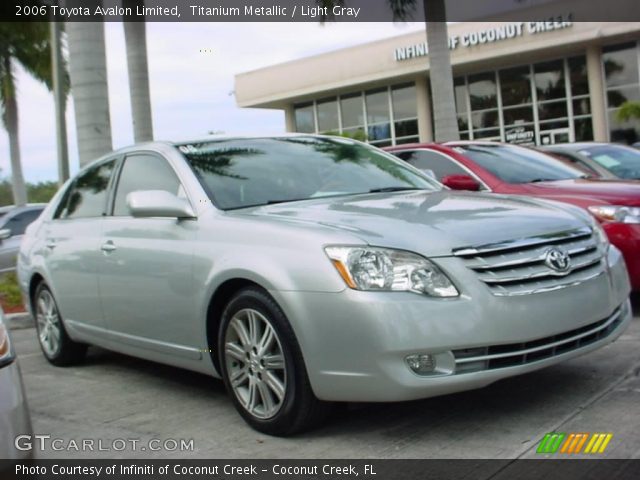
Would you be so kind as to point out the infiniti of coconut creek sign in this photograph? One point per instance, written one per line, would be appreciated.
(498, 33)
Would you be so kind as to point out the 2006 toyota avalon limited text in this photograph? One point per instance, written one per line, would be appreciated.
(305, 270)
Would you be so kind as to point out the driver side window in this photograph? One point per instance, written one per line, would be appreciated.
(144, 172)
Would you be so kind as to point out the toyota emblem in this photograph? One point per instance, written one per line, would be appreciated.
(558, 260)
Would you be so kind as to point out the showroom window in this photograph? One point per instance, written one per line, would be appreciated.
(623, 83)
(542, 103)
(383, 116)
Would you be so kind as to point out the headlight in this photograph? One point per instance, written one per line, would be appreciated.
(601, 235)
(383, 269)
(6, 354)
(616, 213)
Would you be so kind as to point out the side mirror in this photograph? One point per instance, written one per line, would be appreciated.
(158, 203)
(5, 233)
(461, 182)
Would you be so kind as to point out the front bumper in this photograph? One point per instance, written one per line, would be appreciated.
(14, 413)
(626, 237)
(355, 343)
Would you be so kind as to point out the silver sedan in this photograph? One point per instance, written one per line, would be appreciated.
(14, 413)
(306, 270)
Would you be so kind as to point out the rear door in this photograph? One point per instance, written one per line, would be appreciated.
(146, 265)
(72, 247)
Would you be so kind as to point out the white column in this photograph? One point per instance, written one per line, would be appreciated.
(289, 119)
(596, 93)
(423, 100)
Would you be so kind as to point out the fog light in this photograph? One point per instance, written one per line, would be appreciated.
(422, 364)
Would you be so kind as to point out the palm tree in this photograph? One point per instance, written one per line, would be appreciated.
(135, 37)
(629, 110)
(88, 72)
(26, 44)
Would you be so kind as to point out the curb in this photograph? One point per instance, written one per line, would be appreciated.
(19, 321)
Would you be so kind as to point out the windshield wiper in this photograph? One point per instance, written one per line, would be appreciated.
(394, 189)
(538, 180)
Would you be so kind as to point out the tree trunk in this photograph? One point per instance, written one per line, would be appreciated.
(11, 120)
(60, 102)
(440, 72)
(135, 36)
(88, 73)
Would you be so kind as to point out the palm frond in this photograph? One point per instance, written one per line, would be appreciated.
(628, 111)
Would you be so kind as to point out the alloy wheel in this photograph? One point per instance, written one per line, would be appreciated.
(49, 331)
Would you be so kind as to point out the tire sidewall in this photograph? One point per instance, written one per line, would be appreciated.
(261, 302)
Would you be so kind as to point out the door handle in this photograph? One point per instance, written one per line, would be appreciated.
(50, 244)
(108, 247)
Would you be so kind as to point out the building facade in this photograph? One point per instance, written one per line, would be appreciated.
(519, 82)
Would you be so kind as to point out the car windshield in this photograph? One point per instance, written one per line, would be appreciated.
(514, 164)
(238, 173)
(622, 161)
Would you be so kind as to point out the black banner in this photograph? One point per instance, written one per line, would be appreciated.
(317, 10)
(548, 469)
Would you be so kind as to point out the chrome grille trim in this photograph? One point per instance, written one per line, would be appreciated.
(519, 267)
(477, 359)
(524, 242)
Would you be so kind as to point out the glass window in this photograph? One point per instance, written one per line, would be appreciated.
(514, 164)
(406, 127)
(583, 129)
(579, 80)
(463, 122)
(327, 115)
(581, 106)
(485, 119)
(618, 96)
(144, 172)
(404, 102)
(245, 172)
(515, 86)
(548, 111)
(438, 163)
(377, 106)
(517, 115)
(621, 64)
(623, 132)
(19, 222)
(379, 132)
(491, 134)
(402, 141)
(483, 91)
(623, 161)
(352, 110)
(87, 195)
(460, 92)
(549, 80)
(305, 122)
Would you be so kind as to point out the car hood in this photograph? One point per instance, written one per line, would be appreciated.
(432, 223)
(615, 192)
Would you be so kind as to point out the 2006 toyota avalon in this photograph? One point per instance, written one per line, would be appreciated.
(306, 269)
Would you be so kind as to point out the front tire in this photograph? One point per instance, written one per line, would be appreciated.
(262, 366)
(54, 341)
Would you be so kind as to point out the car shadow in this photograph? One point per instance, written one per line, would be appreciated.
(526, 395)
(635, 303)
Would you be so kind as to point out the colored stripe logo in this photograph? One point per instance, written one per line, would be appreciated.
(573, 443)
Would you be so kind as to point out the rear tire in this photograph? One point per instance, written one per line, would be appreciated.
(54, 341)
(262, 366)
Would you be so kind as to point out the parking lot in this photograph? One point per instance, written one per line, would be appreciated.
(112, 396)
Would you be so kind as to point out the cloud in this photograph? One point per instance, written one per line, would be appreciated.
(192, 68)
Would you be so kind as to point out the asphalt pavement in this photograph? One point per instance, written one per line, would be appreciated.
(115, 397)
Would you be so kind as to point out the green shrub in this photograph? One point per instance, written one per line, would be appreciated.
(9, 290)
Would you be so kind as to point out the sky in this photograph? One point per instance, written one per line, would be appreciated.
(191, 92)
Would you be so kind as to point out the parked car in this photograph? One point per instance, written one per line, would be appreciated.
(306, 269)
(13, 222)
(578, 161)
(511, 169)
(14, 413)
(619, 160)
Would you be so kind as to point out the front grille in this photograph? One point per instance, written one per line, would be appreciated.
(519, 267)
(478, 359)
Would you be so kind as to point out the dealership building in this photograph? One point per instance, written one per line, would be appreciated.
(521, 82)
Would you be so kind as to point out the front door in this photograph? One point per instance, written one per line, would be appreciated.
(145, 276)
(551, 137)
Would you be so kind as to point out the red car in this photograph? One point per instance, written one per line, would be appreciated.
(510, 169)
